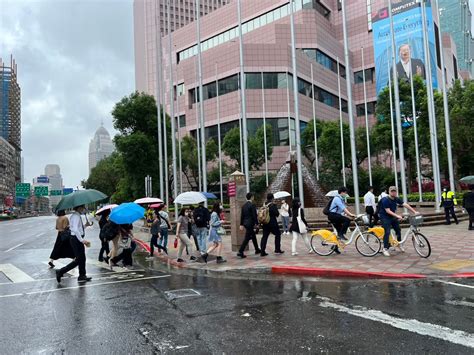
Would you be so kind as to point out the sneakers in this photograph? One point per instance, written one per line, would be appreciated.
(220, 260)
(84, 278)
(51, 265)
(385, 252)
(279, 251)
(204, 257)
(294, 253)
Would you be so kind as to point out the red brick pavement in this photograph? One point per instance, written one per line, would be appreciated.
(453, 244)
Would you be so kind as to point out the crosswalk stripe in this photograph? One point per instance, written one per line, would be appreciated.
(14, 274)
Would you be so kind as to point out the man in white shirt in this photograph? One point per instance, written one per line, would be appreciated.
(404, 70)
(370, 205)
(77, 243)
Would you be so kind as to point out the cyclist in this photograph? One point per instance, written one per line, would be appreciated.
(340, 222)
(388, 207)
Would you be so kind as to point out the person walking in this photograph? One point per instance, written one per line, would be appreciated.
(104, 243)
(192, 229)
(299, 226)
(468, 204)
(165, 226)
(78, 244)
(388, 207)
(448, 201)
(201, 217)
(271, 227)
(248, 220)
(155, 234)
(124, 246)
(336, 209)
(182, 234)
(61, 249)
(370, 205)
(214, 234)
(285, 216)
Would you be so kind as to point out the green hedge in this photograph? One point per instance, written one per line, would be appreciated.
(414, 197)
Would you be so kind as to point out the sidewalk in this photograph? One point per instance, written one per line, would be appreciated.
(452, 255)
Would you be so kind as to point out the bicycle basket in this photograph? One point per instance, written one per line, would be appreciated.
(416, 220)
(365, 220)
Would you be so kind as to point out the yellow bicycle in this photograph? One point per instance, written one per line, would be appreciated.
(324, 242)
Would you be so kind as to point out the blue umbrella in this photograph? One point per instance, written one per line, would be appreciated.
(127, 213)
(209, 195)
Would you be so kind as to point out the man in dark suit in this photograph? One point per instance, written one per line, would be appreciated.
(403, 66)
(271, 227)
(248, 220)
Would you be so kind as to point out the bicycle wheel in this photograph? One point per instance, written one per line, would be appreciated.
(368, 244)
(421, 244)
(321, 246)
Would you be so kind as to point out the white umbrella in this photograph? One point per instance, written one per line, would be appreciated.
(190, 198)
(281, 194)
(148, 200)
(107, 207)
(332, 193)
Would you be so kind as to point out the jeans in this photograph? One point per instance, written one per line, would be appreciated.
(202, 234)
(387, 224)
(285, 220)
(164, 237)
(79, 260)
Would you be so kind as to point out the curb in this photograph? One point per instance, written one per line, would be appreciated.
(333, 273)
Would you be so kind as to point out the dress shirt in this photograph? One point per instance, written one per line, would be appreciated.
(76, 226)
(369, 200)
(406, 68)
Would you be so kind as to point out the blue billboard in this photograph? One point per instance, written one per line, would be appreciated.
(408, 29)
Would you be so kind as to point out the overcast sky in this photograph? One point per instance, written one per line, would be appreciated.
(75, 61)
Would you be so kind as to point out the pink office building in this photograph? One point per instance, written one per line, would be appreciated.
(267, 59)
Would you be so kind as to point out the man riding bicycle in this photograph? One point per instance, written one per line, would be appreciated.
(388, 207)
(336, 217)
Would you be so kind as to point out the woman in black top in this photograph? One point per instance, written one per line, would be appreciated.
(295, 228)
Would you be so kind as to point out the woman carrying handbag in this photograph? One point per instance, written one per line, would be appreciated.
(215, 234)
(299, 227)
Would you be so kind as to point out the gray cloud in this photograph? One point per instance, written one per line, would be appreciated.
(75, 61)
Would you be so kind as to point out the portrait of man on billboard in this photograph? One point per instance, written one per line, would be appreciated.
(403, 66)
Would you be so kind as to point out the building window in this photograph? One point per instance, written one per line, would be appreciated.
(253, 80)
(360, 109)
(369, 76)
(276, 80)
(455, 66)
(369, 15)
(325, 60)
(181, 121)
(228, 85)
(179, 90)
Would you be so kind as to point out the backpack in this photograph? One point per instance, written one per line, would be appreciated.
(200, 217)
(109, 231)
(328, 206)
(263, 214)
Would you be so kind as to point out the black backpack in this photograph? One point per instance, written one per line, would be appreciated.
(109, 231)
(200, 217)
(328, 206)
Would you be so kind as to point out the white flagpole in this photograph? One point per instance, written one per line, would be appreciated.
(343, 154)
(366, 118)
(198, 132)
(201, 101)
(314, 122)
(355, 176)
(219, 139)
(158, 69)
(264, 131)
(173, 125)
(243, 101)
(392, 125)
(431, 111)
(180, 157)
(401, 152)
(447, 124)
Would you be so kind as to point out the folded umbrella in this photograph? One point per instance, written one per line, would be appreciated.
(78, 198)
(190, 198)
(127, 213)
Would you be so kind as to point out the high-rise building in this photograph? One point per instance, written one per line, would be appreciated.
(10, 126)
(149, 19)
(100, 147)
(456, 19)
(53, 172)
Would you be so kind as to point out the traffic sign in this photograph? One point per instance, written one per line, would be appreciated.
(67, 191)
(41, 191)
(56, 192)
(23, 190)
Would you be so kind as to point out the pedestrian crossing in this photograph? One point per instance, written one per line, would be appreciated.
(31, 272)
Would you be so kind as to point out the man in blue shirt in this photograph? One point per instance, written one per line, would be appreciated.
(389, 219)
(340, 222)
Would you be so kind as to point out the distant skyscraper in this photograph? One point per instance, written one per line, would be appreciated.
(100, 147)
(10, 128)
(53, 172)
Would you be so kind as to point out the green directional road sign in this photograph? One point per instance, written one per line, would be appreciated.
(56, 192)
(23, 190)
(41, 191)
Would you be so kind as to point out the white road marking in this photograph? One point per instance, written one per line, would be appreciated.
(103, 265)
(412, 325)
(454, 284)
(16, 246)
(15, 230)
(83, 286)
(460, 303)
(14, 274)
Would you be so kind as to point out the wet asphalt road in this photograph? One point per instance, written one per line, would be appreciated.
(136, 311)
